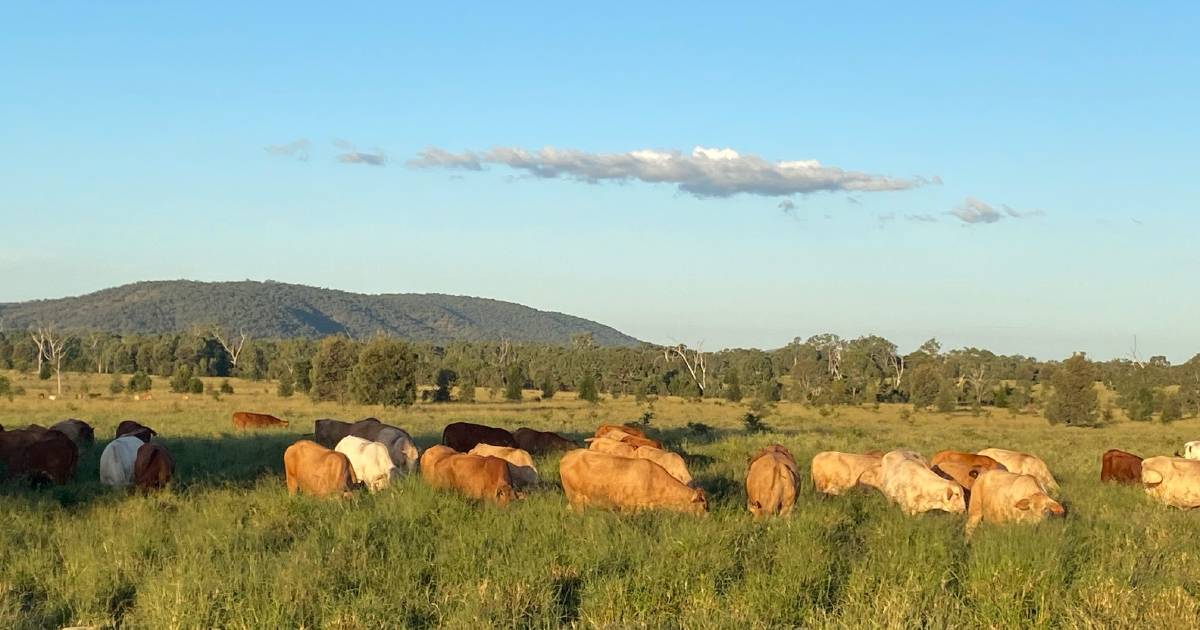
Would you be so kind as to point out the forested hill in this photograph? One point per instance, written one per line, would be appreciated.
(278, 310)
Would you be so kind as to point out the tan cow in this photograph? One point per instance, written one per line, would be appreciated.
(771, 482)
(1023, 464)
(1174, 481)
(908, 483)
(970, 459)
(673, 463)
(834, 473)
(485, 478)
(520, 464)
(1002, 497)
(313, 469)
(621, 483)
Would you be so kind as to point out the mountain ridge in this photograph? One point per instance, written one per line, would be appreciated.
(270, 309)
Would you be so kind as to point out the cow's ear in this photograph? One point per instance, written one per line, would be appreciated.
(949, 493)
(698, 496)
(1023, 504)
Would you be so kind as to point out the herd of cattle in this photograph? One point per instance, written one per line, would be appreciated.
(621, 468)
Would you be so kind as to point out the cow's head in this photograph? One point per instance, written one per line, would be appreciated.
(699, 502)
(1040, 503)
(954, 502)
(505, 494)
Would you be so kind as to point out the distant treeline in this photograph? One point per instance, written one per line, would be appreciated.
(820, 370)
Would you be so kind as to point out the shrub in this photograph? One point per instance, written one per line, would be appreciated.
(181, 379)
(754, 423)
(587, 389)
(549, 387)
(466, 388)
(226, 388)
(1172, 408)
(445, 380)
(139, 382)
(196, 386)
(385, 374)
(1074, 401)
(116, 385)
(514, 381)
(6, 388)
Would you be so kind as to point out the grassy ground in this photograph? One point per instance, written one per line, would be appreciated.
(226, 546)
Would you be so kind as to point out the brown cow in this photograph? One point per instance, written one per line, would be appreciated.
(771, 482)
(541, 442)
(15, 441)
(328, 433)
(487, 478)
(80, 432)
(464, 436)
(153, 468)
(967, 459)
(136, 429)
(52, 455)
(610, 481)
(1121, 467)
(316, 470)
(627, 438)
(251, 420)
(624, 428)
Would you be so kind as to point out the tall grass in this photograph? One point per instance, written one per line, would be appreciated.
(226, 546)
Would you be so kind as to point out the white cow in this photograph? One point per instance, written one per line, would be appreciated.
(117, 460)
(909, 483)
(1172, 480)
(370, 460)
(1191, 450)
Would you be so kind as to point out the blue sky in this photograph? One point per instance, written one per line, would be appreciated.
(135, 146)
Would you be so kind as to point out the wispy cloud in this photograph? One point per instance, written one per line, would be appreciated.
(787, 205)
(351, 155)
(922, 218)
(297, 149)
(973, 211)
(704, 172)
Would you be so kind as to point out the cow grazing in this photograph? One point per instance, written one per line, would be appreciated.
(328, 433)
(50, 456)
(315, 470)
(624, 428)
(1003, 497)
(908, 483)
(1121, 467)
(1172, 480)
(628, 438)
(972, 460)
(153, 468)
(771, 482)
(250, 420)
(673, 463)
(610, 481)
(485, 478)
(370, 460)
(464, 436)
(1023, 464)
(962, 474)
(118, 459)
(79, 432)
(399, 443)
(136, 429)
(1191, 450)
(541, 442)
(834, 473)
(520, 464)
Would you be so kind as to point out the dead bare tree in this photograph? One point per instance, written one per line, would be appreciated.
(694, 363)
(232, 348)
(977, 376)
(51, 349)
(1134, 356)
(896, 362)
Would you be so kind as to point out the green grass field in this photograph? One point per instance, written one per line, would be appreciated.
(226, 546)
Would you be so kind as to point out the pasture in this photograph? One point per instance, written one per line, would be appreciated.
(227, 547)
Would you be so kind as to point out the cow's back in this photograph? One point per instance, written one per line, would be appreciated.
(328, 432)
(153, 467)
(118, 459)
(464, 436)
(771, 482)
(52, 456)
(313, 469)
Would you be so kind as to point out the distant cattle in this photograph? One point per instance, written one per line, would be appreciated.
(328, 433)
(400, 445)
(912, 486)
(1002, 497)
(315, 470)
(1172, 480)
(250, 420)
(136, 429)
(153, 467)
(673, 463)
(118, 459)
(834, 473)
(520, 464)
(50, 456)
(1191, 450)
(982, 462)
(370, 460)
(79, 432)
(771, 482)
(591, 478)
(1024, 464)
(485, 478)
(541, 442)
(464, 436)
(1121, 467)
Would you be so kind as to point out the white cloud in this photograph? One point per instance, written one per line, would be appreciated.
(351, 155)
(705, 172)
(296, 148)
(973, 211)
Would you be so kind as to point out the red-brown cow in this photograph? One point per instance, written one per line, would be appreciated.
(153, 468)
(52, 455)
(136, 429)
(540, 442)
(464, 436)
(1121, 467)
(251, 420)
